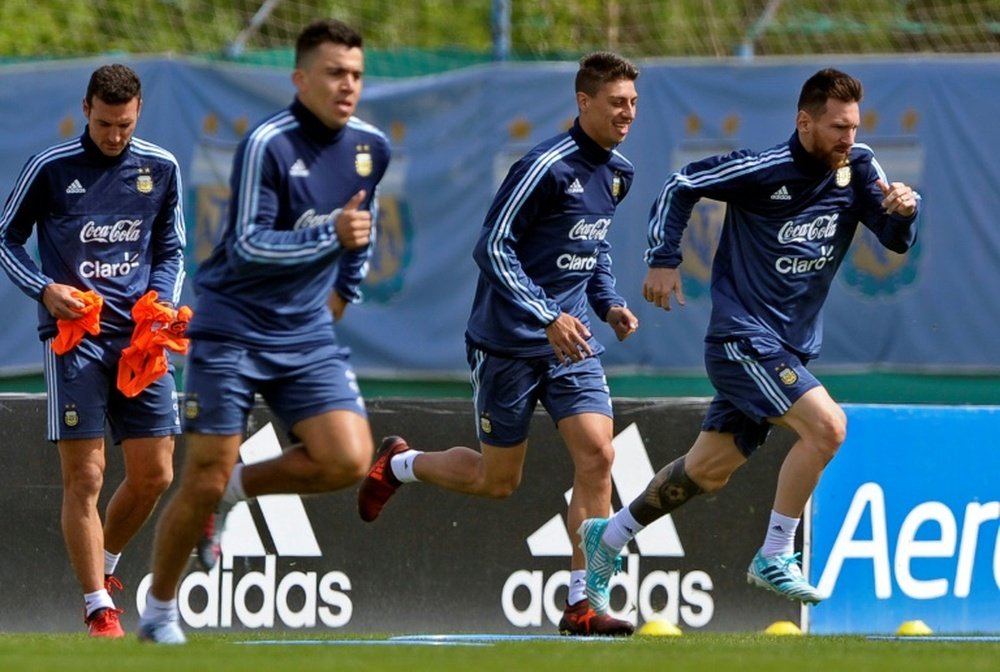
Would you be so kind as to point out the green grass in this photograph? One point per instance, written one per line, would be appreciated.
(691, 652)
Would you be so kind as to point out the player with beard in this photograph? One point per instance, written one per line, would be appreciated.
(792, 212)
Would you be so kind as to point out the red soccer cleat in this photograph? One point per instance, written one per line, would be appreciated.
(105, 623)
(580, 620)
(380, 484)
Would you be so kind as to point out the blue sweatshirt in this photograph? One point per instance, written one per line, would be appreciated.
(109, 224)
(789, 222)
(543, 249)
(267, 281)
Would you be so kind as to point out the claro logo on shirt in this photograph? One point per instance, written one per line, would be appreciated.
(109, 269)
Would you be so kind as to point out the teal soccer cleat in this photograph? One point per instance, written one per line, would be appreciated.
(602, 563)
(782, 575)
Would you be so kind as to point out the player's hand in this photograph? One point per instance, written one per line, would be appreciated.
(61, 301)
(338, 305)
(899, 199)
(622, 321)
(354, 226)
(660, 283)
(568, 337)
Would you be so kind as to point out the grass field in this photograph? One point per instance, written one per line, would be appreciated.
(273, 652)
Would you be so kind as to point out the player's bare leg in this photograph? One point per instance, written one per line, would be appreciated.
(208, 461)
(149, 471)
(492, 471)
(588, 438)
(821, 427)
(334, 453)
(82, 462)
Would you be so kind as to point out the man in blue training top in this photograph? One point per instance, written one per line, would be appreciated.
(543, 257)
(300, 226)
(792, 212)
(110, 225)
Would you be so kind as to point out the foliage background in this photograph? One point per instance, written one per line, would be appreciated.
(468, 31)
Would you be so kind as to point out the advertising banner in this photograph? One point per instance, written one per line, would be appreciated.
(905, 522)
(434, 562)
(455, 135)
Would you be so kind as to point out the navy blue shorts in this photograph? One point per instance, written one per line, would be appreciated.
(84, 399)
(507, 389)
(221, 379)
(754, 379)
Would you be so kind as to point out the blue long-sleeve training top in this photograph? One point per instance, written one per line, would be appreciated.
(789, 222)
(109, 224)
(543, 248)
(267, 282)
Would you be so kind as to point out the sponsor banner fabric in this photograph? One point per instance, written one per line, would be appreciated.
(905, 522)
(454, 136)
(434, 561)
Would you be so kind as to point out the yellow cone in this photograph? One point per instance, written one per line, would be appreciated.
(660, 628)
(782, 628)
(914, 629)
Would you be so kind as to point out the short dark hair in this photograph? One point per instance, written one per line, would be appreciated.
(602, 67)
(826, 84)
(325, 30)
(115, 84)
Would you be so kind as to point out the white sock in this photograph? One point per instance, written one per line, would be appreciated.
(234, 489)
(99, 599)
(780, 537)
(621, 529)
(402, 465)
(577, 586)
(159, 611)
(111, 562)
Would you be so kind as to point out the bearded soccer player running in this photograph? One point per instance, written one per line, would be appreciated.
(792, 212)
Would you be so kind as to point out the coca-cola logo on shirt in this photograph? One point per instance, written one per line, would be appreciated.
(122, 231)
(821, 228)
(596, 230)
(311, 219)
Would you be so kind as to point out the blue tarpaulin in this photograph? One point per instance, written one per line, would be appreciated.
(931, 122)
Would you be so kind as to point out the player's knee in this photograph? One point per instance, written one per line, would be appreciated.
(708, 476)
(712, 483)
(343, 471)
(157, 483)
(355, 469)
(83, 479)
(595, 463)
(205, 485)
(831, 432)
(502, 487)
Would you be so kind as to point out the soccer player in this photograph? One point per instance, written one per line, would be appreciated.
(300, 224)
(111, 228)
(792, 212)
(543, 257)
